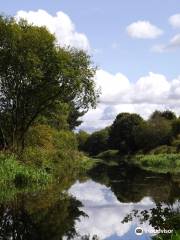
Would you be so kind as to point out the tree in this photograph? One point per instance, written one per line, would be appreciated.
(56, 116)
(167, 114)
(73, 116)
(122, 132)
(153, 133)
(176, 127)
(34, 73)
(97, 142)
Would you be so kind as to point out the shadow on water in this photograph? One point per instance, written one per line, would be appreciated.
(119, 193)
(46, 215)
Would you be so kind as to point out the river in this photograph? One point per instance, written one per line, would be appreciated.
(110, 203)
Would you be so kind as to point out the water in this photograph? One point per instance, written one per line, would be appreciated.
(109, 203)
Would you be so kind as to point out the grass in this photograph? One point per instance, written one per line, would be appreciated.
(161, 163)
(13, 171)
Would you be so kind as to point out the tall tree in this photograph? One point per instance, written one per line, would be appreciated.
(34, 73)
(122, 132)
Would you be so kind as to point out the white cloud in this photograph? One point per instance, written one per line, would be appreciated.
(143, 30)
(173, 44)
(147, 94)
(61, 25)
(102, 195)
(105, 212)
(174, 20)
(111, 85)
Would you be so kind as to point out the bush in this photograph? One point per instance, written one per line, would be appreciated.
(37, 156)
(163, 149)
(46, 147)
(65, 140)
(40, 135)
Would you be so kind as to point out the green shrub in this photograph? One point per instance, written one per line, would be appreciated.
(65, 140)
(36, 156)
(163, 149)
(40, 135)
(46, 147)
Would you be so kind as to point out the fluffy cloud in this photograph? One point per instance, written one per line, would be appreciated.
(147, 94)
(173, 44)
(61, 25)
(174, 20)
(144, 30)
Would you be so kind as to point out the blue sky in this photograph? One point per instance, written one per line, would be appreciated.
(104, 22)
(115, 50)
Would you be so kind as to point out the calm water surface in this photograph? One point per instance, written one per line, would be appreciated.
(111, 202)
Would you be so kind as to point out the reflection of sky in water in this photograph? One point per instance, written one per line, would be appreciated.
(106, 212)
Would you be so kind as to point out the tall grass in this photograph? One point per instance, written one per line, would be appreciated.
(159, 162)
(13, 171)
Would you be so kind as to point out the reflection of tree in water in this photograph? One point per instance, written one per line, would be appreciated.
(131, 184)
(163, 216)
(20, 221)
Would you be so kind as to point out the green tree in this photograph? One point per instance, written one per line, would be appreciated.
(34, 73)
(176, 127)
(73, 117)
(97, 142)
(167, 114)
(122, 132)
(153, 133)
(82, 138)
(56, 116)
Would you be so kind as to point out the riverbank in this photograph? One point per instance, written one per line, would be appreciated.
(158, 163)
(15, 172)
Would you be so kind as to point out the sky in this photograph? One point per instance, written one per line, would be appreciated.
(134, 43)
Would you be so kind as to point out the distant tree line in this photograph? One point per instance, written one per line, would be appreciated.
(130, 133)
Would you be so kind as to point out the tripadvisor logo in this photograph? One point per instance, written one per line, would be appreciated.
(139, 231)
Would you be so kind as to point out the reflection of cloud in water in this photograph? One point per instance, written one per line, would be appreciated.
(105, 211)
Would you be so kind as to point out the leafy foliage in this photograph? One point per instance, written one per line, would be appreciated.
(152, 134)
(35, 73)
(122, 132)
(97, 142)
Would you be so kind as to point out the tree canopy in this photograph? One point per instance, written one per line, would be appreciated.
(35, 73)
(122, 132)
